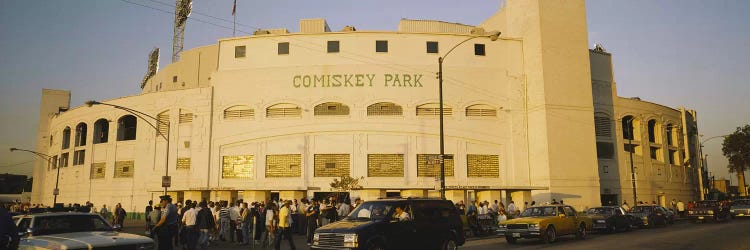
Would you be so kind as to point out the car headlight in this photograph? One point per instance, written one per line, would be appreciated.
(350, 240)
(601, 221)
(502, 226)
(534, 227)
(710, 211)
(316, 238)
(691, 212)
(731, 210)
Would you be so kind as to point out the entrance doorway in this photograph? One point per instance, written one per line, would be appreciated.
(610, 200)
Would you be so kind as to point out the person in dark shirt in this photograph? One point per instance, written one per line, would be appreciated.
(8, 230)
(204, 222)
(312, 220)
(167, 226)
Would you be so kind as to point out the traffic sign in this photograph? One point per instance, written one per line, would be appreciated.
(166, 181)
(56, 191)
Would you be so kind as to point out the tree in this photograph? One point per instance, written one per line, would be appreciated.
(347, 183)
(736, 147)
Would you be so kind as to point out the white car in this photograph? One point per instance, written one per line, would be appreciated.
(70, 230)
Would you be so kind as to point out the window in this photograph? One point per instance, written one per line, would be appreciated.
(672, 157)
(605, 150)
(185, 117)
(627, 128)
(428, 165)
(183, 163)
(66, 138)
(79, 156)
(487, 166)
(331, 165)
(652, 131)
(480, 110)
(605, 169)
(670, 135)
(237, 166)
(239, 112)
(432, 47)
(51, 139)
(285, 165)
(283, 110)
(603, 126)
(81, 134)
(433, 109)
(174, 78)
(239, 51)
(479, 49)
(163, 123)
(283, 48)
(333, 46)
(126, 128)
(331, 108)
(98, 170)
(63, 160)
(654, 152)
(381, 46)
(101, 131)
(631, 148)
(385, 165)
(54, 162)
(384, 108)
(124, 169)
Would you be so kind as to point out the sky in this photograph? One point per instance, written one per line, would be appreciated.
(689, 53)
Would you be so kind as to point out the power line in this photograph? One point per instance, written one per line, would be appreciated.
(194, 19)
(207, 15)
(16, 164)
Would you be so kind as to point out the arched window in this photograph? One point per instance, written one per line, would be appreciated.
(81, 134)
(126, 128)
(433, 109)
(66, 138)
(480, 110)
(670, 135)
(239, 112)
(384, 108)
(283, 110)
(628, 128)
(101, 131)
(652, 131)
(331, 108)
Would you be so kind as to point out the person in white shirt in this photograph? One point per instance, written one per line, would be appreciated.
(188, 219)
(343, 209)
(482, 208)
(511, 209)
(401, 215)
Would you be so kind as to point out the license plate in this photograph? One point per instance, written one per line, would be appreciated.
(516, 235)
(700, 217)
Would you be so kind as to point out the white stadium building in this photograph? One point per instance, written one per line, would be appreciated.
(532, 115)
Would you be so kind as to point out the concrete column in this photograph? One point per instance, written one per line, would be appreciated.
(250, 196)
(520, 196)
(369, 194)
(490, 196)
(224, 195)
(414, 193)
(454, 195)
(292, 194)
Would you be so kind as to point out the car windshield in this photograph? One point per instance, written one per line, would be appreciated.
(600, 211)
(44, 225)
(371, 211)
(539, 211)
(641, 209)
(742, 202)
(707, 204)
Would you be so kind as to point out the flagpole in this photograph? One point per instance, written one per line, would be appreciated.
(234, 15)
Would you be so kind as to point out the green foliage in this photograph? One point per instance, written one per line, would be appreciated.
(736, 147)
(347, 183)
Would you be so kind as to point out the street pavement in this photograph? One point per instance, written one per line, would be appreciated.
(733, 235)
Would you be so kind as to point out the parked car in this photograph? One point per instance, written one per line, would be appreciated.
(71, 230)
(740, 208)
(611, 219)
(651, 215)
(546, 223)
(432, 224)
(709, 210)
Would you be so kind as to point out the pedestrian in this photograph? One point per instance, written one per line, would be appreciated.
(190, 232)
(147, 212)
(224, 224)
(511, 210)
(680, 208)
(312, 214)
(119, 216)
(234, 215)
(167, 226)
(204, 221)
(104, 212)
(625, 206)
(501, 216)
(284, 227)
(268, 235)
(244, 222)
(153, 217)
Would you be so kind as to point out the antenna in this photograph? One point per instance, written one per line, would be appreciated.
(181, 13)
(153, 66)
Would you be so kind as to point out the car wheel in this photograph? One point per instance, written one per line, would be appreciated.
(628, 226)
(612, 228)
(581, 232)
(449, 244)
(550, 235)
(510, 239)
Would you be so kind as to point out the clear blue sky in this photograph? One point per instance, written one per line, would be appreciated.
(678, 53)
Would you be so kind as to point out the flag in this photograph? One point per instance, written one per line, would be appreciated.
(234, 7)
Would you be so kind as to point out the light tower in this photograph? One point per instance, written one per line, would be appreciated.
(181, 13)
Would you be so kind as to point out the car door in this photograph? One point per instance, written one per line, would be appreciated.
(401, 234)
(565, 222)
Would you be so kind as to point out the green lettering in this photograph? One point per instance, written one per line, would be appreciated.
(416, 80)
(321, 80)
(407, 80)
(348, 80)
(396, 80)
(359, 77)
(388, 77)
(371, 77)
(306, 80)
(336, 81)
(294, 81)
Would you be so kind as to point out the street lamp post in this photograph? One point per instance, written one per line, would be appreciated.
(141, 115)
(704, 168)
(632, 166)
(49, 161)
(493, 37)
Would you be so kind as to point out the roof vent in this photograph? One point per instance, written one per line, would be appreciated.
(261, 32)
(348, 29)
